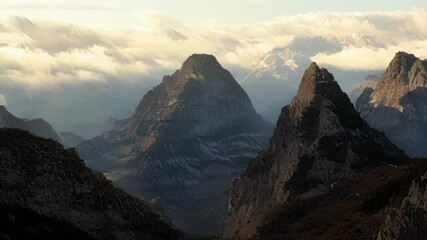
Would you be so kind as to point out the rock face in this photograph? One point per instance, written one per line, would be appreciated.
(410, 220)
(187, 139)
(398, 105)
(38, 127)
(319, 141)
(46, 192)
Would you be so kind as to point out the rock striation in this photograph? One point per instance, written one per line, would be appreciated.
(398, 105)
(187, 139)
(46, 192)
(319, 142)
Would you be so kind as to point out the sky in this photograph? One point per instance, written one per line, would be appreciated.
(114, 51)
(134, 12)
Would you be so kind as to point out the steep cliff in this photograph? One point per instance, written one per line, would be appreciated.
(320, 141)
(398, 105)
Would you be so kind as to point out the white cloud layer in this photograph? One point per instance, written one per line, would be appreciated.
(37, 55)
(40, 53)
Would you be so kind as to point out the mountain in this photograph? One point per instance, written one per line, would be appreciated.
(274, 81)
(398, 105)
(371, 81)
(38, 127)
(46, 192)
(70, 139)
(187, 139)
(320, 142)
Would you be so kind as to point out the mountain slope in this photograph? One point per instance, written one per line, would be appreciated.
(47, 192)
(193, 132)
(320, 141)
(398, 105)
(38, 127)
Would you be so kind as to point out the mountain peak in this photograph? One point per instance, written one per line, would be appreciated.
(312, 83)
(401, 63)
(319, 140)
(199, 63)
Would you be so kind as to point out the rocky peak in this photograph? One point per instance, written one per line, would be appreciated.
(200, 63)
(196, 130)
(319, 140)
(397, 106)
(201, 83)
(406, 69)
(313, 82)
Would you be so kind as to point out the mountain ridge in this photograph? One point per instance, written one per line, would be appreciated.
(398, 106)
(319, 141)
(37, 126)
(47, 191)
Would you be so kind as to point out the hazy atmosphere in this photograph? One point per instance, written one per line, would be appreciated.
(51, 50)
(215, 120)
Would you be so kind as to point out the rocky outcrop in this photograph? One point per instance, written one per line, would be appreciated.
(398, 105)
(38, 127)
(46, 192)
(319, 142)
(193, 132)
(410, 220)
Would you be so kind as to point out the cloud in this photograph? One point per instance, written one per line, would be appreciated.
(40, 53)
(117, 65)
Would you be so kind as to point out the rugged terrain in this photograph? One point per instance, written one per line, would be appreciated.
(46, 192)
(187, 139)
(398, 105)
(320, 143)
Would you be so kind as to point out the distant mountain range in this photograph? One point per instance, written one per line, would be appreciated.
(398, 104)
(188, 138)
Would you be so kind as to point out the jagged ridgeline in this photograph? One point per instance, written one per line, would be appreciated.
(187, 139)
(46, 192)
(320, 144)
(398, 104)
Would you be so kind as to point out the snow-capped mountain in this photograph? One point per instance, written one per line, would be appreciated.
(276, 78)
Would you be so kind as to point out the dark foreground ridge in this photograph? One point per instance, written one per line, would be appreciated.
(46, 192)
